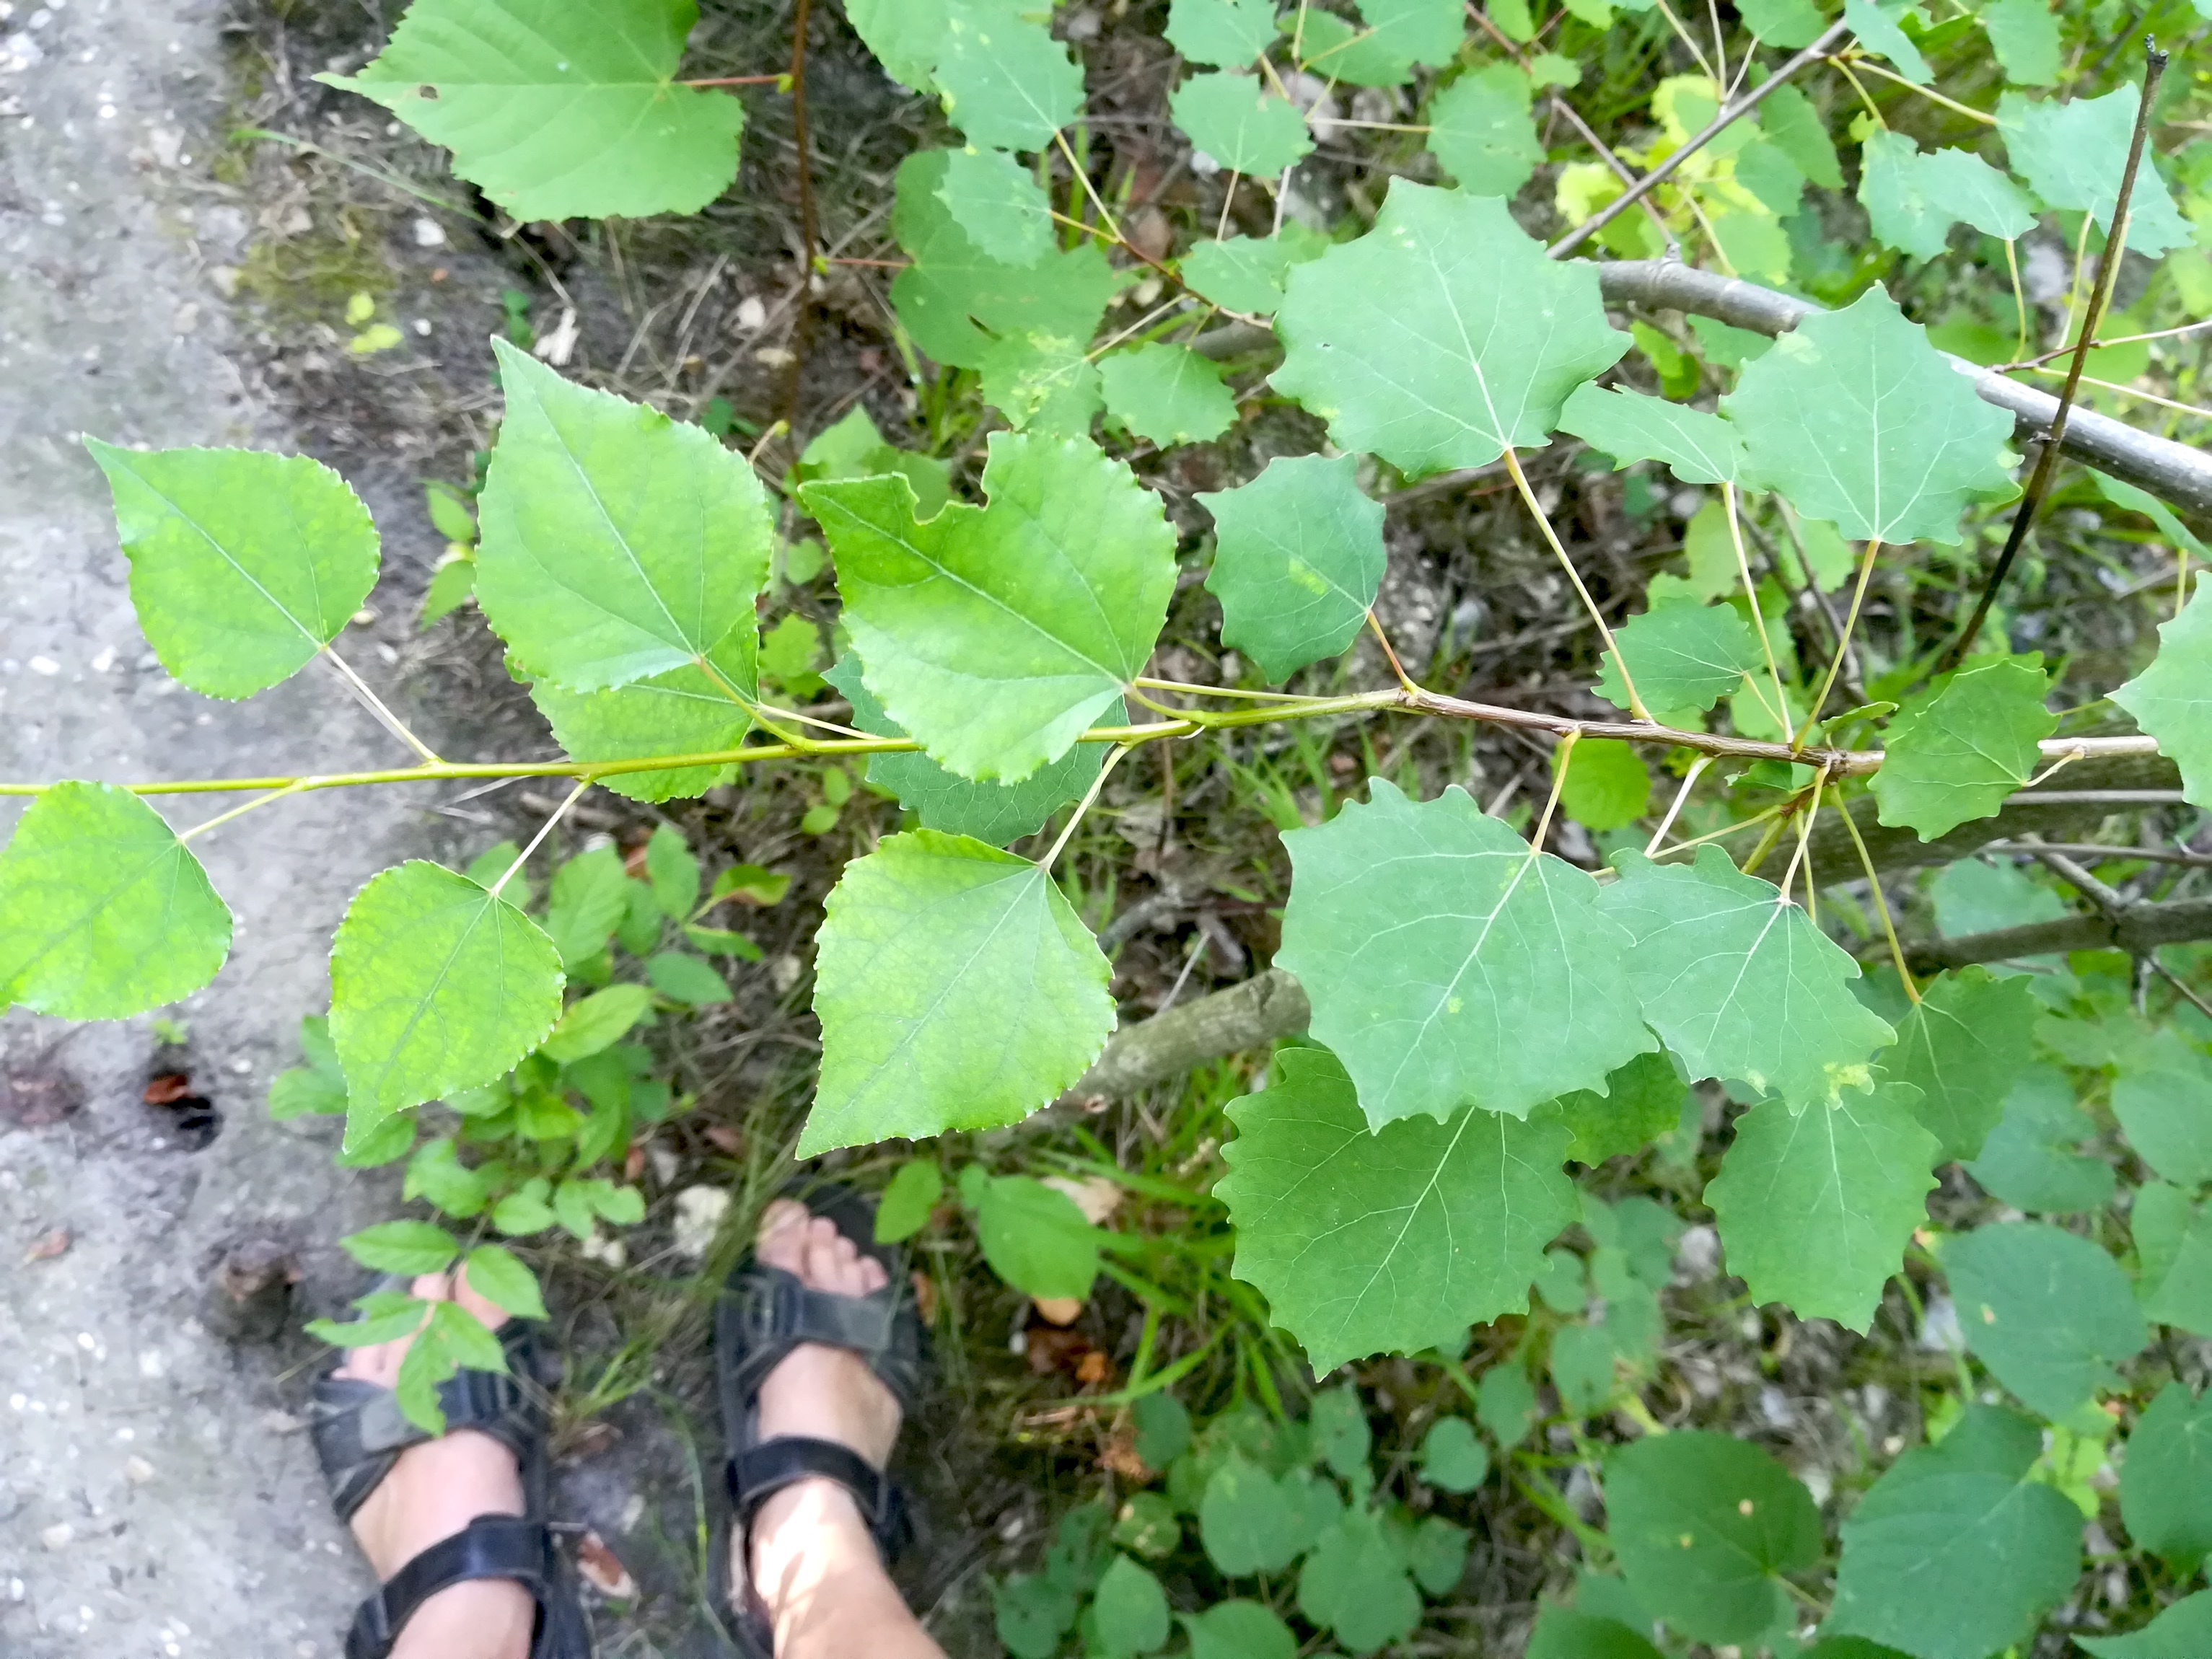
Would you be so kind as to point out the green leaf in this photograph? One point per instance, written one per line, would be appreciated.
(1961, 1047)
(435, 986)
(2173, 1245)
(1452, 1458)
(1506, 1402)
(1163, 1425)
(306, 1091)
(2166, 1479)
(1224, 33)
(2182, 1631)
(1006, 83)
(407, 1247)
(1438, 1553)
(591, 892)
(2074, 152)
(1912, 199)
(1859, 420)
(1397, 35)
(1356, 1585)
(1396, 1242)
(1738, 982)
(525, 1212)
(2029, 1160)
(685, 711)
(1816, 1206)
(905, 35)
(1431, 940)
(1043, 383)
(1564, 1633)
(995, 634)
(672, 871)
(1035, 1238)
(1970, 897)
(1794, 126)
(1483, 340)
(2172, 699)
(1957, 749)
(616, 544)
(1238, 1629)
(1641, 1101)
(1129, 1613)
(1244, 1522)
(466, 1339)
(957, 302)
(2048, 1313)
(1788, 24)
(597, 1022)
(1299, 558)
(436, 1173)
(1235, 118)
(244, 565)
(1629, 426)
(993, 812)
(1166, 394)
(1240, 273)
(1705, 1526)
(2025, 36)
(851, 447)
(1682, 655)
(494, 1273)
(558, 110)
(1954, 1553)
(957, 989)
(1480, 132)
(1606, 784)
(2163, 1100)
(907, 1202)
(1001, 206)
(449, 512)
(686, 978)
(453, 584)
(104, 912)
(1878, 32)
(379, 1324)
(1342, 1436)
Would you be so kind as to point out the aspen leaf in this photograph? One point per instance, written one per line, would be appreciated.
(1006, 83)
(1960, 1048)
(1166, 394)
(2172, 699)
(2074, 154)
(1683, 656)
(1480, 132)
(2166, 1479)
(1956, 750)
(1225, 33)
(2049, 1313)
(1299, 558)
(1629, 426)
(1239, 123)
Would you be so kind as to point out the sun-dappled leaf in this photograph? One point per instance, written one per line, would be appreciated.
(2172, 699)
(2166, 1479)
(104, 912)
(1738, 982)
(1954, 1553)
(1045, 384)
(1238, 121)
(1629, 426)
(996, 635)
(957, 989)
(1681, 654)
(1006, 83)
(1166, 394)
(1480, 132)
(684, 711)
(1957, 749)
(1607, 784)
(957, 301)
(1961, 1047)
(999, 203)
(435, 986)
(617, 544)
(243, 564)
(1856, 419)
(1298, 560)
(1431, 940)
(2029, 1159)
(1705, 1525)
(1912, 199)
(2073, 152)
(559, 110)
(1815, 1205)
(2050, 1313)
(1393, 1241)
(1483, 340)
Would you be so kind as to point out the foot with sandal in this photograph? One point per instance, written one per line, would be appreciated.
(819, 1352)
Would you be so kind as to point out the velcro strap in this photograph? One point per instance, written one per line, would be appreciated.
(860, 1324)
(759, 1472)
(489, 1547)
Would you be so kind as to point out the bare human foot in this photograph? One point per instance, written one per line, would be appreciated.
(433, 1490)
(813, 1559)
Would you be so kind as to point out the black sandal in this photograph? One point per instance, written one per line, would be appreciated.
(761, 1315)
(360, 1432)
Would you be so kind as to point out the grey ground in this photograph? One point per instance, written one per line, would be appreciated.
(156, 1498)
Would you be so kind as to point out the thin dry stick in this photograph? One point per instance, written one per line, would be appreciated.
(1836, 663)
(2038, 361)
(1681, 799)
(1880, 904)
(1720, 123)
(543, 830)
(1551, 537)
(810, 238)
(2046, 463)
(1672, 243)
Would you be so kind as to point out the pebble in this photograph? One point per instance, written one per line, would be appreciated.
(57, 1536)
(138, 1471)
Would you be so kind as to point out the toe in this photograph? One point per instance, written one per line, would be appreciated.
(781, 1242)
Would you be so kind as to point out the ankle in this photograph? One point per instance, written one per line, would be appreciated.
(806, 1539)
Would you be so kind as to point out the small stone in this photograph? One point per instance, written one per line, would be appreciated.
(137, 1471)
(57, 1536)
(699, 1212)
(281, 1423)
(752, 315)
(429, 233)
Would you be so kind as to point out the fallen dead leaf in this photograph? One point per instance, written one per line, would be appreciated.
(727, 1140)
(602, 1570)
(167, 1089)
(634, 1165)
(925, 1296)
(1119, 1455)
(1093, 1369)
(54, 1242)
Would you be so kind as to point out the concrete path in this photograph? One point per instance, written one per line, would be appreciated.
(156, 1498)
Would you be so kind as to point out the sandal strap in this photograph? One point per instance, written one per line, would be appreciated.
(768, 1312)
(360, 1431)
(489, 1547)
(758, 1473)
